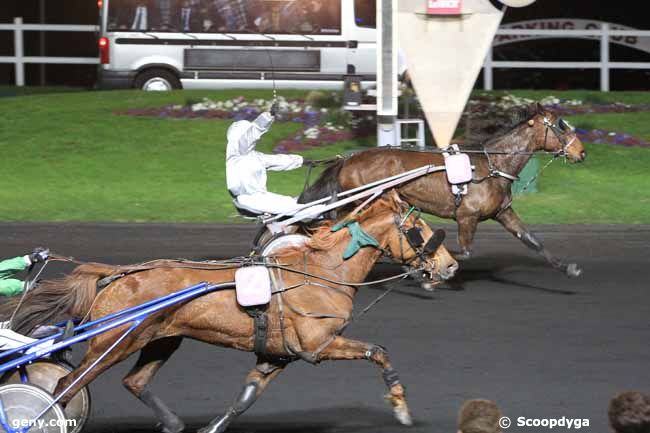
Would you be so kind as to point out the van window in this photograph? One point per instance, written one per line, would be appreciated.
(365, 13)
(226, 16)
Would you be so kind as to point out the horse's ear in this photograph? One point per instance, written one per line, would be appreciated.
(539, 108)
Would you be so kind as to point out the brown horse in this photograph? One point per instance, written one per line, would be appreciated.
(529, 129)
(305, 321)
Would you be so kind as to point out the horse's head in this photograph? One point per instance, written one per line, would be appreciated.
(409, 240)
(554, 134)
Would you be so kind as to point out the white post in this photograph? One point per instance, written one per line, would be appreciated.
(421, 139)
(18, 52)
(388, 133)
(604, 58)
(488, 77)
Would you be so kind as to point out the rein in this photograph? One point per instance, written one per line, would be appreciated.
(29, 283)
(558, 131)
(316, 163)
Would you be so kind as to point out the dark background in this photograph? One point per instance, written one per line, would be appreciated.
(627, 13)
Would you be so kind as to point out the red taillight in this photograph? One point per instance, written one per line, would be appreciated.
(100, 3)
(103, 51)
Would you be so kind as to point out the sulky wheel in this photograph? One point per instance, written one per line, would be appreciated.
(46, 374)
(21, 403)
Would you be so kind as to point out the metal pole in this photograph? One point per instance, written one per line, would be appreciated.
(488, 78)
(41, 41)
(387, 131)
(18, 52)
(604, 58)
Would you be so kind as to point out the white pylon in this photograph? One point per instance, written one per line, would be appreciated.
(444, 55)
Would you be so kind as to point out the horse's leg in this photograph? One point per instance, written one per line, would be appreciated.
(466, 230)
(119, 354)
(256, 382)
(343, 348)
(152, 357)
(510, 220)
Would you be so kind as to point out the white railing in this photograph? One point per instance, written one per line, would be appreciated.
(19, 59)
(604, 34)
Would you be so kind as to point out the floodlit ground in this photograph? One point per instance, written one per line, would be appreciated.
(70, 157)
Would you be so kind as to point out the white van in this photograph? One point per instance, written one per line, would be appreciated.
(173, 44)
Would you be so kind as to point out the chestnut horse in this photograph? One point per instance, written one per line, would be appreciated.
(305, 321)
(529, 129)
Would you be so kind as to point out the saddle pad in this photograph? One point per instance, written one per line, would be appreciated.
(253, 286)
(285, 241)
(13, 340)
(459, 168)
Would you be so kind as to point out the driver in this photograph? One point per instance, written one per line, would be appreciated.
(246, 167)
(10, 286)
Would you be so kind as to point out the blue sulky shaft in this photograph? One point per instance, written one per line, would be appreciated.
(107, 323)
(133, 316)
(99, 321)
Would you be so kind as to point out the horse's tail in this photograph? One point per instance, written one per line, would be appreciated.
(52, 300)
(327, 184)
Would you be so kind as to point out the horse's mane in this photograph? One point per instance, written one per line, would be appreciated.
(326, 185)
(487, 127)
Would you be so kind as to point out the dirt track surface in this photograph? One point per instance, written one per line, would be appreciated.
(512, 330)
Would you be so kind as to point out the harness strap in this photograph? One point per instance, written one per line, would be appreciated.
(261, 332)
(504, 175)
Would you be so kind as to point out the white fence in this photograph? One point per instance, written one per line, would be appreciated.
(19, 59)
(604, 34)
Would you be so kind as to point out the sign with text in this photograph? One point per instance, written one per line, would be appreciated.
(443, 7)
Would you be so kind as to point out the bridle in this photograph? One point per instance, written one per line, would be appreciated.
(415, 240)
(560, 129)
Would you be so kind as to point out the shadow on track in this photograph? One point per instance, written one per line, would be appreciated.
(326, 420)
(477, 270)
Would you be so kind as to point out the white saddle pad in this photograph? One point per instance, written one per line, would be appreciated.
(459, 168)
(13, 340)
(253, 286)
(291, 240)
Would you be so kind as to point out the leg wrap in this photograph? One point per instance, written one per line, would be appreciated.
(531, 241)
(245, 399)
(391, 378)
(374, 350)
(170, 421)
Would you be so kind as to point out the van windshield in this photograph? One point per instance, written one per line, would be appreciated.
(313, 17)
(365, 13)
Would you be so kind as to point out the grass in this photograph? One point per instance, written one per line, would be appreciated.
(68, 157)
(11, 91)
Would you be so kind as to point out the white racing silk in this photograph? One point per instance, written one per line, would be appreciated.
(246, 167)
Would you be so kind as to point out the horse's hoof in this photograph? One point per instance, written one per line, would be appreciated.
(429, 287)
(573, 270)
(400, 409)
(402, 414)
(178, 428)
(465, 255)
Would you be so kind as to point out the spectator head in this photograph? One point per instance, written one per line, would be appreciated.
(629, 412)
(479, 416)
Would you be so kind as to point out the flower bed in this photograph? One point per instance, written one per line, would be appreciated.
(322, 125)
(326, 123)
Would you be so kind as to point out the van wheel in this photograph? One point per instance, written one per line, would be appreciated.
(157, 80)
